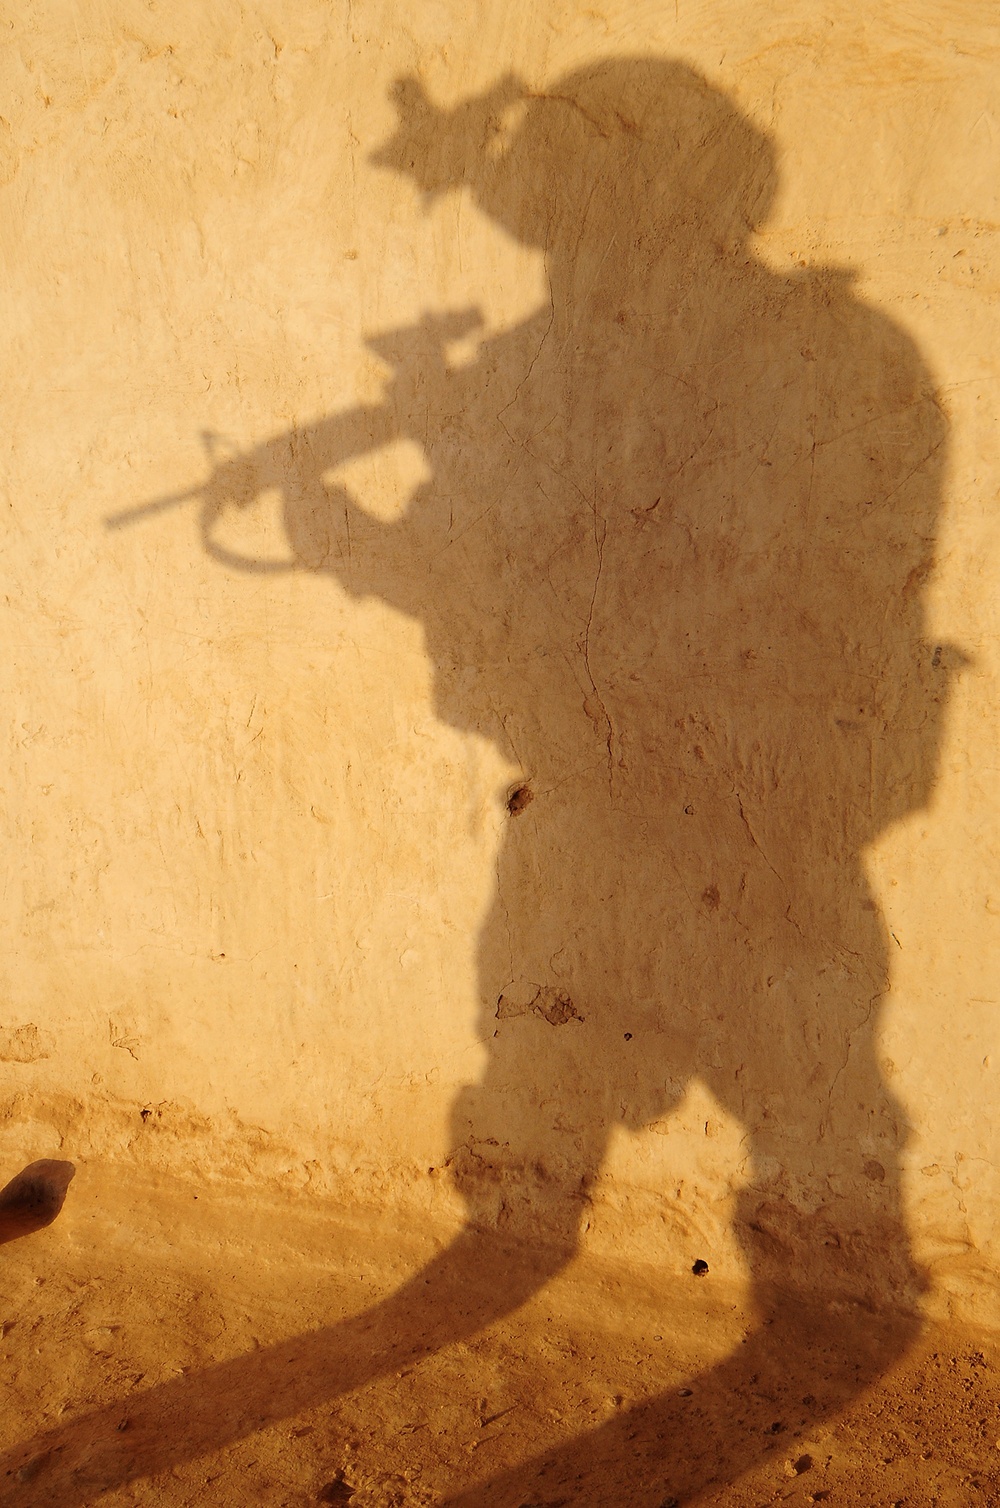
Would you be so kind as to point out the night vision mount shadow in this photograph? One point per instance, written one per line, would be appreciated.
(34, 1198)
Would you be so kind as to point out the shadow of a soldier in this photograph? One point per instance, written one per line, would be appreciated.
(671, 558)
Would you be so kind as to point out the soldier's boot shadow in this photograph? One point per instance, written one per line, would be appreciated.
(806, 1359)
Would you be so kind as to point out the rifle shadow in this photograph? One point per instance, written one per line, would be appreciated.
(672, 558)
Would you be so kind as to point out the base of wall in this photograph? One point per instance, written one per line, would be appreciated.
(752, 1242)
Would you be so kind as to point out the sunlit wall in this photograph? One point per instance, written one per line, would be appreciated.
(554, 755)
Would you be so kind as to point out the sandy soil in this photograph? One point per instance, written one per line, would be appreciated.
(179, 1344)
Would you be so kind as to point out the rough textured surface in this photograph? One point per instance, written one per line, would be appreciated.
(129, 1326)
(534, 770)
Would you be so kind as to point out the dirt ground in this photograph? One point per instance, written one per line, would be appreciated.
(174, 1344)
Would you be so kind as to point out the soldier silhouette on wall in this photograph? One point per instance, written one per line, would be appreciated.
(671, 557)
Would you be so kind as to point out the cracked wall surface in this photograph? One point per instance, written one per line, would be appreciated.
(534, 760)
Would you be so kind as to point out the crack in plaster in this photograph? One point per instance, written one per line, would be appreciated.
(600, 536)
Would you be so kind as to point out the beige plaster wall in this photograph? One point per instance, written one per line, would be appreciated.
(696, 538)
